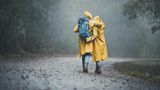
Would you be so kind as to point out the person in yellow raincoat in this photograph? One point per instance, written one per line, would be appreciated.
(86, 48)
(99, 44)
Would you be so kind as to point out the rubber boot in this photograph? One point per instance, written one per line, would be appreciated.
(98, 68)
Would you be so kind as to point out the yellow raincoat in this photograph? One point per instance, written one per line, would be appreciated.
(99, 44)
(85, 47)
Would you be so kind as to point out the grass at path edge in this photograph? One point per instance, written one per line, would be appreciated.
(144, 69)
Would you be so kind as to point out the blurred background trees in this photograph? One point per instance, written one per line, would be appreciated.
(46, 26)
(24, 26)
(149, 10)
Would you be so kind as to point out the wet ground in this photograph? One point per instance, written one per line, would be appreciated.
(65, 74)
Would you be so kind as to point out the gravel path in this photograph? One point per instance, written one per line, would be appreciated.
(65, 74)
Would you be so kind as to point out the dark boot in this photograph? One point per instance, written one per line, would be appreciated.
(83, 61)
(84, 65)
(98, 68)
(85, 69)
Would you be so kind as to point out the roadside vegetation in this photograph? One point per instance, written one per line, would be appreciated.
(145, 69)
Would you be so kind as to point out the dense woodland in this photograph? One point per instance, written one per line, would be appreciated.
(25, 27)
(46, 26)
(148, 10)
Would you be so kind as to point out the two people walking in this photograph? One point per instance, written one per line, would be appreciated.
(91, 41)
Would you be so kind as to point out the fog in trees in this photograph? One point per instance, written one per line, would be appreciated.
(46, 26)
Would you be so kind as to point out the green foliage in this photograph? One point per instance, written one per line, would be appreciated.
(25, 27)
(46, 27)
(146, 69)
(149, 9)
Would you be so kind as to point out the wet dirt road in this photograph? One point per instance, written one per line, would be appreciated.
(65, 73)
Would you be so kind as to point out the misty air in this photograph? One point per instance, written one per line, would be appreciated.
(79, 45)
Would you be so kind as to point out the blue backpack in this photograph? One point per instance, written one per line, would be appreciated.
(83, 28)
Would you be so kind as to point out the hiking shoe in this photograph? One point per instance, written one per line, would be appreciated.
(98, 71)
(98, 68)
(85, 70)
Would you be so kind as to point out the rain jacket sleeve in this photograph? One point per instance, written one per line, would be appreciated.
(76, 29)
(89, 39)
(95, 32)
(99, 24)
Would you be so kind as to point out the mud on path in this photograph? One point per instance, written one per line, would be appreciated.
(65, 74)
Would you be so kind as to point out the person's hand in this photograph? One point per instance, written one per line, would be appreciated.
(88, 39)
